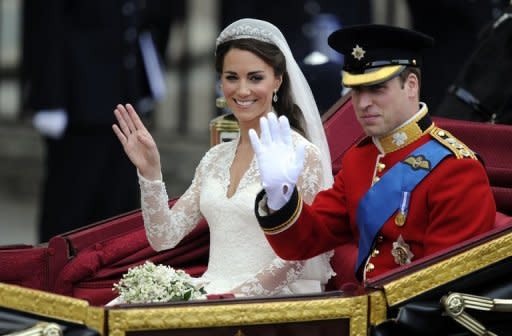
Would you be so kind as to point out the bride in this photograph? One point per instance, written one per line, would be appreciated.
(258, 75)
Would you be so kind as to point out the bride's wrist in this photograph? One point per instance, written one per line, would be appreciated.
(150, 177)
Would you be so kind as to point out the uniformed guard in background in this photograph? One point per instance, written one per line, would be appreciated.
(80, 59)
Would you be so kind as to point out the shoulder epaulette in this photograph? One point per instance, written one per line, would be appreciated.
(459, 149)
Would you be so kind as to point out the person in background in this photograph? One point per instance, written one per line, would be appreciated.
(407, 190)
(456, 30)
(259, 77)
(80, 58)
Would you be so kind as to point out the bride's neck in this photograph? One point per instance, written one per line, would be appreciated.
(244, 135)
(244, 142)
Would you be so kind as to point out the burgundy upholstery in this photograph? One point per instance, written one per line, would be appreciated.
(493, 144)
(342, 131)
(32, 266)
(100, 254)
(91, 274)
(502, 220)
(26, 265)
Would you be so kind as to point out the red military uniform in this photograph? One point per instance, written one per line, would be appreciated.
(452, 203)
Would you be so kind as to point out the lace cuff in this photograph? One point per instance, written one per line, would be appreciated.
(166, 227)
(145, 180)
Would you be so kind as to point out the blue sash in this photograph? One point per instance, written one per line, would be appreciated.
(387, 196)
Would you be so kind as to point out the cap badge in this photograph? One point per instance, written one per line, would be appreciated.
(358, 52)
(401, 252)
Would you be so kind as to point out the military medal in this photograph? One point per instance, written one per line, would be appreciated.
(400, 219)
(401, 252)
(401, 216)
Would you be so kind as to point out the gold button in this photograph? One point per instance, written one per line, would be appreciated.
(376, 179)
(375, 253)
(370, 267)
(380, 167)
(441, 133)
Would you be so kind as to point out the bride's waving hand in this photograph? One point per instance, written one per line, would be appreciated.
(137, 142)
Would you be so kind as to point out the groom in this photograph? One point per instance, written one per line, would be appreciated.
(407, 190)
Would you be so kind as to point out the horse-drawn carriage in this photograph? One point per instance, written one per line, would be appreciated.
(463, 290)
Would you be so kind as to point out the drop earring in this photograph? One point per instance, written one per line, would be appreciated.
(220, 102)
(274, 98)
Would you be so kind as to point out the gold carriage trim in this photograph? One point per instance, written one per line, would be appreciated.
(448, 270)
(282, 227)
(459, 149)
(52, 305)
(122, 321)
(378, 307)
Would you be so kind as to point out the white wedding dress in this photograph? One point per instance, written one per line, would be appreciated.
(241, 260)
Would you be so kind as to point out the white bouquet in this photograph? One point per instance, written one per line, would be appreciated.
(148, 283)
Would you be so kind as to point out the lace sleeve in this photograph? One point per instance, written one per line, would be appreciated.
(272, 279)
(280, 273)
(165, 227)
(311, 179)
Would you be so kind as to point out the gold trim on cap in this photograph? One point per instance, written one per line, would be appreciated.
(379, 75)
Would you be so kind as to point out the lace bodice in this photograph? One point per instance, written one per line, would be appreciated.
(241, 260)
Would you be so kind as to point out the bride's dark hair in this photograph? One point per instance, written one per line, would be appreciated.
(272, 56)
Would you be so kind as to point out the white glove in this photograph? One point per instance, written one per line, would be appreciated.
(280, 164)
(51, 123)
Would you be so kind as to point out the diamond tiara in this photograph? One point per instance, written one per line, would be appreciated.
(245, 31)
